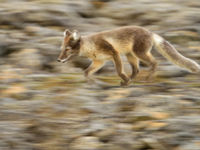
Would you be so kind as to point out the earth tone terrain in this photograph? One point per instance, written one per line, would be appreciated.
(46, 105)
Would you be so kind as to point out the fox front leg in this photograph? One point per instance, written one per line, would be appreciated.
(119, 68)
(94, 66)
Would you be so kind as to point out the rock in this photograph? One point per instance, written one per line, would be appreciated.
(17, 91)
(182, 36)
(106, 135)
(7, 44)
(160, 115)
(112, 146)
(94, 127)
(172, 71)
(152, 143)
(85, 143)
(189, 146)
(156, 125)
(28, 58)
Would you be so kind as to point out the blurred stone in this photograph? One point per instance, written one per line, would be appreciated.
(172, 71)
(94, 127)
(137, 118)
(28, 58)
(7, 44)
(160, 115)
(15, 89)
(140, 126)
(98, 3)
(127, 105)
(85, 143)
(51, 40)
(4, 49)
(9, 74)
(154, 144)
(189, 146)
(156, 125)
(106, 135)
(182, 36)
(34, 30)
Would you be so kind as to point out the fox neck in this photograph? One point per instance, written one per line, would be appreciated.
(84, 47)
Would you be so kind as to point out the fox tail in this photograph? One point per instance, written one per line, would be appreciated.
(168, 51)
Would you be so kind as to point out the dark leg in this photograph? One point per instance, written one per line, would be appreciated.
(133, 60)
(149, 60)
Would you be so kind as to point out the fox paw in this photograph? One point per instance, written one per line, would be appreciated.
(124, 83)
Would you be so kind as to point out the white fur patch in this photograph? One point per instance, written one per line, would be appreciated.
(158, 38)
(75, 36)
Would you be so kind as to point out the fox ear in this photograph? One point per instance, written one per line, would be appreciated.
(66, 32)
(76, 36)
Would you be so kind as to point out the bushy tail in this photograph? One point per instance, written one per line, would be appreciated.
(168, 51)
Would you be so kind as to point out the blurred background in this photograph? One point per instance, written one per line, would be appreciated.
(46, 105)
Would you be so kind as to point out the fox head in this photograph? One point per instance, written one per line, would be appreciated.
(70, 46)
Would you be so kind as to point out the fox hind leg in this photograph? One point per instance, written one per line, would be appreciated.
(142, 50)
(134, 62)
(150, 61)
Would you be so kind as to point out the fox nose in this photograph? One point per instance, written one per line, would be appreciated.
(58, 60)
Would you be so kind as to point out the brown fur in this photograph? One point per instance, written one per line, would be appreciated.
(134, 42)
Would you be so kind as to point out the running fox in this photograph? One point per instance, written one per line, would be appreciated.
(133, 41)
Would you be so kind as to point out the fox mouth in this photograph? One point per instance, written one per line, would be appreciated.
(63, 61)
(66, 59)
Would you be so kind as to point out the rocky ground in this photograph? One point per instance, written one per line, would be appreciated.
(45, 105)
